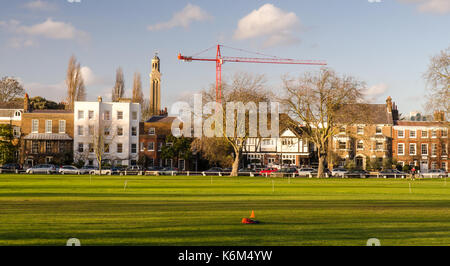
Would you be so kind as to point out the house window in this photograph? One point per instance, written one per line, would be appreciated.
(378, 130)
(80, 130)
(34, 147)
(107, 115)
(160, 146)
(133, 148)
(34, 126)
(80, 147)
(151, 146)
(424, 149)
(16, 132)
(48, 147)
(133, 131)
(91, 114)
(119, 147)
(424, 134)
(444, 166)
(412, 134)
(151, 131)
(62, 126)
(141, 145)
(91, 147)
(119, 115)
(434, 133)
(107, 131)
(360, 145)
(434, 149)
(444, 149)
(80, 114)
(48, 126)
(379, 146)
(433, 165)
(401, 149)
(119, 131)
(134, 115)
(401, 133)
(412, 149)
(342, 130)
(360, 130)
(444, 133)
(342, 145)
(106, 148)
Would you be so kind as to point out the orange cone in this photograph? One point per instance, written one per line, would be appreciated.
(252, 215)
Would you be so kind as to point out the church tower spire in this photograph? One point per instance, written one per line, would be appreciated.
(155, 86)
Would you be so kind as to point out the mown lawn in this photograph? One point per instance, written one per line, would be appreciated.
(180, 210)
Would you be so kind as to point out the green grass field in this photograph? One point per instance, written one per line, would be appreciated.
(180, 210)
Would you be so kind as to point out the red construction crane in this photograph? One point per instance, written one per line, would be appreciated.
(220, 60)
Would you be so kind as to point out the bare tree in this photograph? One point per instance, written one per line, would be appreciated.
(74, 82)
(245, 91)
(438, 81)
(10, 89)
(119, 87)
(145, 110)
(102, 137)
(316, 100)
(138, 96)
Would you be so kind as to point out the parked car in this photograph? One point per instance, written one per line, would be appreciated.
(268, 171)
(357, 173)
(104, 171)
(284, 172)
(86, 169)
(392, 173)
(213, 170)
(130, 170)
(69, 169)
(42, 169)
(11, 168)
(307, 172)
(434, 173)
(168, 171)
(339, 172)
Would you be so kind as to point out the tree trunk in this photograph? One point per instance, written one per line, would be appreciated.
(321, 165)
(234, 170)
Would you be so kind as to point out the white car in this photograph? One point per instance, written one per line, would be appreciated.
(434, 173)
(69, 169)
(103, 172)
(307, 172)
(42, 169)
(339, 172)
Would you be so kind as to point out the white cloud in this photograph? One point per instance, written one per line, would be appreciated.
(40, 6)
(53, 30)
(23, 35)
(183, 18)
(431, 6)
(375, 91)
(271, 23)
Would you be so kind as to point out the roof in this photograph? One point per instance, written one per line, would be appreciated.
(365, 113)
(420, 123)
(63, 111)
(161, 119)
(7, 112)
(47, 136)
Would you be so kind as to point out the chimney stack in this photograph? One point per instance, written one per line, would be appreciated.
(26, 103)
(389, 104)
(99, 99)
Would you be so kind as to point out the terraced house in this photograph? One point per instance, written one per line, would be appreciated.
(367, 138)
(422, 144)
(46, 136)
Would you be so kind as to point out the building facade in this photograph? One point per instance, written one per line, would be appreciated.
(366, 139)
(46, 137)
(423, 144)
(108, 129)
(288, 149)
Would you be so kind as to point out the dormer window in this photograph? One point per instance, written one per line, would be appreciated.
(378, 130)
(151, 131)
(17, 114)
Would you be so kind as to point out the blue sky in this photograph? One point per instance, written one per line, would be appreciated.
(387, 44)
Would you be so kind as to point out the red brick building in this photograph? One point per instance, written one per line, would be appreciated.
(422, 144)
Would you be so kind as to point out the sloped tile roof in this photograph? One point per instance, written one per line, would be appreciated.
(47, 136)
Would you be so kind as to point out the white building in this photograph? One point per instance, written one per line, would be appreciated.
(289, 149)
(119, 124)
